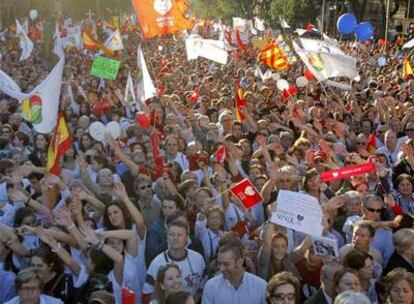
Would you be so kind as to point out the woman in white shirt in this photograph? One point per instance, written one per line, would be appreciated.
(168, 281)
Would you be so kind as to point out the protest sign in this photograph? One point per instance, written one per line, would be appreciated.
(298, 211)
(105, 68)
(325, 246)
(346, 172)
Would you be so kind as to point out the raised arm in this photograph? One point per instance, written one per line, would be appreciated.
(126, 235)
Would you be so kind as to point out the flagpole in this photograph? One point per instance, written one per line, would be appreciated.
(408, 15)
(387, 20)
(323, 17)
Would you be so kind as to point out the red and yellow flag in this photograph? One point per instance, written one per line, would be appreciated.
(61, 141)
(371, 144)
(407, 70)
(161, 17)
(90, 43)
(240, 103)
(274, 57)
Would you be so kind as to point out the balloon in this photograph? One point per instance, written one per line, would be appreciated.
(282, 85)
(364, 31)
(293, 90)
(142, 120)
(346, 23)
(308, 74)
(114, 129)
(382, 61)
(160, 48)
(97, 131)
(33, 14)
(301, 82)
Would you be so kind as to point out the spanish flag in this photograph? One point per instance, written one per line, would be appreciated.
(161, 17)
(274, 57)
(407, 70)
(90, 43)
(61, 141)
(371, 144)
(240, 103)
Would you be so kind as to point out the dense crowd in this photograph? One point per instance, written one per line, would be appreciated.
(151, 212)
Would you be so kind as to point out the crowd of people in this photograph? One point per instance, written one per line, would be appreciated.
(151, 214)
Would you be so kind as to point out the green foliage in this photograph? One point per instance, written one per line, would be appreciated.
(296, 12)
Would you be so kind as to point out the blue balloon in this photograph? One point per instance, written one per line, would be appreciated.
(364, 31)
(346, 24)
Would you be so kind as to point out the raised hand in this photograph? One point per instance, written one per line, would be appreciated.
(25, 230)
(17, 196)
(119, 190)
(45, 237)
(89, 235)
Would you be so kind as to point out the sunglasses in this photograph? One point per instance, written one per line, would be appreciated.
(374, 210)
(361, 143)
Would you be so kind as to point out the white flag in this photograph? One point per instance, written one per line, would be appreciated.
(409, 44)
(325, 60)
(283, 23)
(259, 24)
(74, 38)
(25, 43)
(40, 106)
(114, 41)
(145, 87)
(213, 50)
(129, 96)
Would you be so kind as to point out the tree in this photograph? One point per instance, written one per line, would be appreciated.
(297, 12)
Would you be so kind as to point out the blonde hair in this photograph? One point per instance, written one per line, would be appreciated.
(402, 239)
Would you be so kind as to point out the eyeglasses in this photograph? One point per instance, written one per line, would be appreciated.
(279, 297)
(171, 145)
(361, 143)
(263, 134)
(409, 130)
(374, 210)
(144, 186)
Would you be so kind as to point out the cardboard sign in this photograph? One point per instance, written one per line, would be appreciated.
(105, 68)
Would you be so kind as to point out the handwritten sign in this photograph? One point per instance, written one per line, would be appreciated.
(105, 68)
(298, 211)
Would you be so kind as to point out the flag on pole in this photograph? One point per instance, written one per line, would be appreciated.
(114, 41)
(283, 23)
(161, 17)
(145, 86)
(61, 141)
(241, 103)
(26, 45)
(325, 60)
(89, 42)
(407, 70)
(41, 105)
(129, 96)
(247, 193)
(213, 50)
(273, 56)
(240, 43)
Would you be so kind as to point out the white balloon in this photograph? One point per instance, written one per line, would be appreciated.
(282, 84)
(97, 131)
(114, 129)
(160, 48)
(301, 82)
(357, 78)
(382, 61)
(33, 14)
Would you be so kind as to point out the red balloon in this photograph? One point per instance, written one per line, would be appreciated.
(308, 74)
(292, 90)
(142, 120)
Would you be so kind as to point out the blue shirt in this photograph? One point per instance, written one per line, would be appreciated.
(7, 285)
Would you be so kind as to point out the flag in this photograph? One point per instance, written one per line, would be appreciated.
(129, 95)
(290, 54)
(247, 193)
(161, 17)
(73, 39)
(259, 24)
(145, 86)
(283, 23)
(240, 103)
(239, 40)
(89, 42)
(371, 144)
(346, 172)
(41, 105)
(61, 141)
(213, 50)
(325, 60)
(114, 41)
(221, 154)
(273, 56)
(26, 45)
(407, 70)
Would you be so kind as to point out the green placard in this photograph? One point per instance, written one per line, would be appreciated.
(105, 68)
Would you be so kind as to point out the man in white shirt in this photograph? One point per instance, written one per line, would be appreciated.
(191, 263)
(234, 285)
(391, 148)
(28, 287)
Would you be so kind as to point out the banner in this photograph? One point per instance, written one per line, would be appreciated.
(213, 50)
(346, 172)
(161, 17)
(105, 68)
(26, 45)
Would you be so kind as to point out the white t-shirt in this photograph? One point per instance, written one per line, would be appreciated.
(192, 271)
